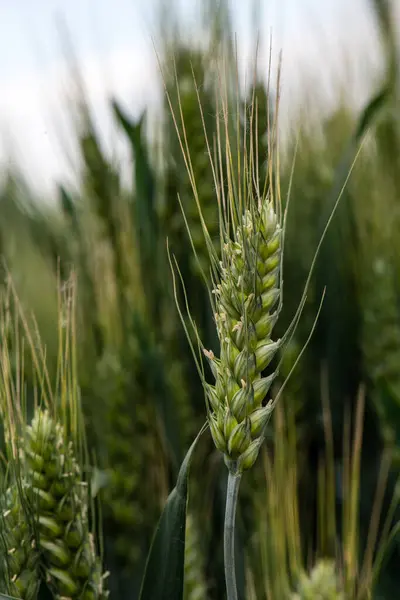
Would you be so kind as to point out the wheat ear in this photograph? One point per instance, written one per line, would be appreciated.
(19, 573)
(59, 503)
(322, 582)
(246, 295)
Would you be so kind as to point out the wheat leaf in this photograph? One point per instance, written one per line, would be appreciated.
(164, 574)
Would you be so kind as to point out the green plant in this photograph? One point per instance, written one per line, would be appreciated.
(195, 584)
(132, 498)
(321, 583)
(246, 289)
(59, 502)
(292, 543)
(141, 399)
(46, 481)
(19, 564)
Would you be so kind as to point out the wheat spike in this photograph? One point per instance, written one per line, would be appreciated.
(246, 295)
(19, 576)
(321, 583)
(59, 503)
(246, 280)
(131, 500)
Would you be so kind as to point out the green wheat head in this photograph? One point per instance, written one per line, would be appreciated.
(246, 275)
(45, 533)
(246, 295)
(321, 582)
(19, 564)
(59, 503)
(131, 500)
(46, 490)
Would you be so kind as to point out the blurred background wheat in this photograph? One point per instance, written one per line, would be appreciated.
(320, 506)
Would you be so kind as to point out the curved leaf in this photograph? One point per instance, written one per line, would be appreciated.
(164, 574)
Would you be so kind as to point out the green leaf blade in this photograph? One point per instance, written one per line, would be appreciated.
(164, 574)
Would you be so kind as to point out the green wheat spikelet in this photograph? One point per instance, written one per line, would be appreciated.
(59, 503)
(321, 583)
(245, 297)
(19, 573)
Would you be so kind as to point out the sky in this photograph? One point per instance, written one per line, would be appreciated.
(113, 42)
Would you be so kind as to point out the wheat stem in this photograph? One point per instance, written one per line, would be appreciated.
(232, 492)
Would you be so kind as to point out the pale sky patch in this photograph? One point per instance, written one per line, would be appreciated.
(113, 43)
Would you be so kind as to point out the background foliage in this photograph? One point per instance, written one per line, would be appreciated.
(142, 401)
